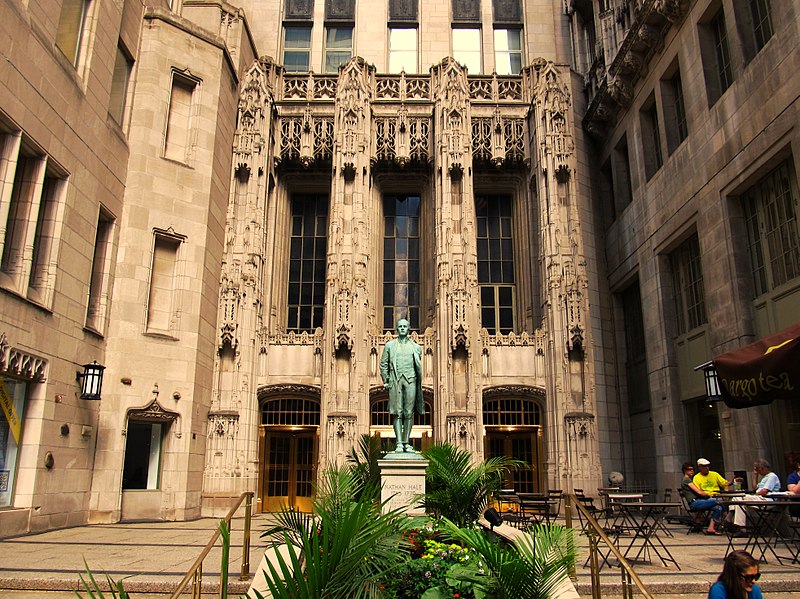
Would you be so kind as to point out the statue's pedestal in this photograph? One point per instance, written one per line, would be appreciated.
(403, 482)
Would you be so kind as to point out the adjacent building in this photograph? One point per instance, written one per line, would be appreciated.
(229, 205)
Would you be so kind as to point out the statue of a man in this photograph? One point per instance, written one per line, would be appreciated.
(401, 371)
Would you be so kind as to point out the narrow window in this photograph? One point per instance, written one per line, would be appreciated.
(296, 49)
(99, 284)
(508, 51)
(467, 49)
(771, 208)
(123, 64)
(635, 351)
(142, 466)
(716, 56)
(621, 169)
(338, 47)
(26, 189)
(307, 262)
(496, 263)
(687, 273)
(674, 112)
(651, 138)
(31, 217)
(161, 300)
(761, 12)
(401, 279)
(403, 50)
(48, 225)
(179, 119)
(71, 25)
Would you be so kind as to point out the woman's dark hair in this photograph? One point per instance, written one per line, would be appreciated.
(736, 563)
(689, 466)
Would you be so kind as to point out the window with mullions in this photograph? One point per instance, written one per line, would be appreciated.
(296, 49)
(687, 273)
(761, 12)
(495, 263)
(716, 56)
(401, 260)
(771, 207)
(507, 51)
(307, 259)
(338, 47)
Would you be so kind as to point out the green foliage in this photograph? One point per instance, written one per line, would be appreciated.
(532, 567)
(344, 550)
(225, 534)
(117, 588)
(457, 489)
(363, 459)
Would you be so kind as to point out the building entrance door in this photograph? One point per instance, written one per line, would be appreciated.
(289, 460)
(520, 445)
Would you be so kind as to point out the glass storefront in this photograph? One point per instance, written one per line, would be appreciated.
(12, 402)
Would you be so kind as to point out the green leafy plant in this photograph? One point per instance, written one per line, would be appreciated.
(457, 489)
(363, 459)
(116, 588)
(532, 567)
(349, 544)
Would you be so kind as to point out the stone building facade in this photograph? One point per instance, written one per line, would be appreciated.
(229, 205)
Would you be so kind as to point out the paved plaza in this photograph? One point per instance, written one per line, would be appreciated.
(154, 556)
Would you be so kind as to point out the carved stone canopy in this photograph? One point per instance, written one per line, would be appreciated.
(153, 412)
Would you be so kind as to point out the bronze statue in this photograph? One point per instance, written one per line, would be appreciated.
(401, 371)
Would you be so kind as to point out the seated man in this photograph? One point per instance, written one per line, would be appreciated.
(709, 481)
(700, 500)
(768, 483)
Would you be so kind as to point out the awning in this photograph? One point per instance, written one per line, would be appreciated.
(761, 372)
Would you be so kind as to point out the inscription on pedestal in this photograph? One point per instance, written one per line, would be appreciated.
(403, 484)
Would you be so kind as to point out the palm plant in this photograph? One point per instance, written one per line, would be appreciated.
(344, 549)
(456, 488)
(534, 566)
(363, 459)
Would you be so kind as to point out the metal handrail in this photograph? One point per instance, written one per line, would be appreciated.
(595, 532)
(195, 573)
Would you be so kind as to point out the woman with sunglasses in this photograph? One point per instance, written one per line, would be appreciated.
(738, 578)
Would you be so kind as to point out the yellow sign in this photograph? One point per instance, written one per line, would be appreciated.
(11, 414)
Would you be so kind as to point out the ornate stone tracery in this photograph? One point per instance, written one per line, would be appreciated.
(21, 364)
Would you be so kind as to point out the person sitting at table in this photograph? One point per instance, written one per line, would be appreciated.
(700, 500)
(768, 483)
(793, 480)
(708, 481)
(738, 578)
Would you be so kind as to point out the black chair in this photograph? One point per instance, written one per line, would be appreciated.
(555, 495)
(696, 520)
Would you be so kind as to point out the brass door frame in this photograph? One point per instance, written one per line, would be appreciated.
(537, 444)
(263, 501)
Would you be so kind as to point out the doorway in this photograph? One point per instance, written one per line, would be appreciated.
(290, 467)
(519, 445)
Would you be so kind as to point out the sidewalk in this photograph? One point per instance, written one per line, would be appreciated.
(154, 556)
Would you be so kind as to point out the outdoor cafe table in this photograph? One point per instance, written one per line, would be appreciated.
(536, 507)
(616, 518)
(647, 517)
(763, 533)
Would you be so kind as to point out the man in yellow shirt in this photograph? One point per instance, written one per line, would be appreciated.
(708, 481)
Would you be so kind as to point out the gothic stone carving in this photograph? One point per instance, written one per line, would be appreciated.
(223, 424)
(352, 97)
(21, 364)
(552, 97)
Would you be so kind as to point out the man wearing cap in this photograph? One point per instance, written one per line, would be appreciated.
(699, 500)
(708, 481)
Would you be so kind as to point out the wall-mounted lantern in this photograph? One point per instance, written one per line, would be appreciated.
(711, 380)
(91, 380)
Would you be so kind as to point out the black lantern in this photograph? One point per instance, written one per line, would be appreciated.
(712, 381)
(91, 380)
